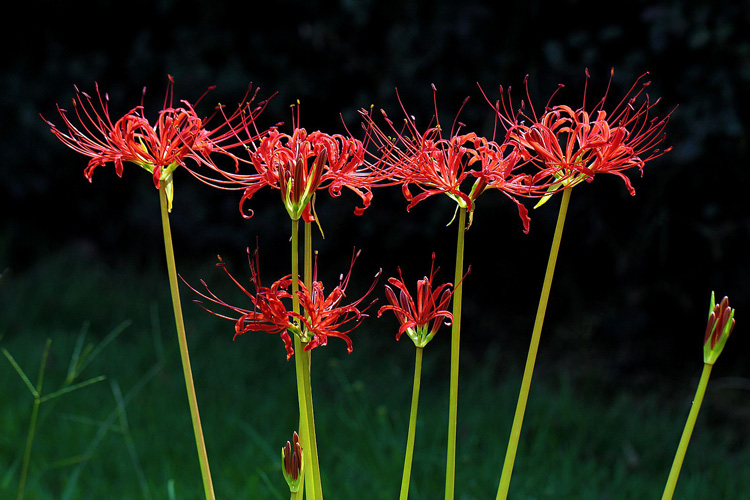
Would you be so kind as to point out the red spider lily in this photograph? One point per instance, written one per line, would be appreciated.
(498, 166)
(719, 327)
(302, 163)
(421, 319)
(437, 164)
(324, 315)
(177, 135)
(578, 144)
(427, 160)
(269, 312)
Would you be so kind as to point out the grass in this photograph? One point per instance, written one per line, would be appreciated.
(129, 437)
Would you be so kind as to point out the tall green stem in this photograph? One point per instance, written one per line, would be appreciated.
(450, 468)
(687, 433)
(313, 486)
(308, 277)
(405, 479)
(184, 355)
(523, 396)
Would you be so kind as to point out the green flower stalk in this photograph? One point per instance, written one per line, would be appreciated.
(719, 327)
(420, 320)
(307, 323)
(177, 136)
(298, 165)
(432, 162)
(569, 147)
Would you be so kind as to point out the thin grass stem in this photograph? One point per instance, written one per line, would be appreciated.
(184, 354)
(37, 391)
(523, 396)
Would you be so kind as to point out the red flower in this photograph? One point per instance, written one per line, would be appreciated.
(437, 164)
(324, 316)
(179, 134)
(426, 160)
(420, 319)
(269, 312)
(577, 144)
(302, 163)
(499, 165)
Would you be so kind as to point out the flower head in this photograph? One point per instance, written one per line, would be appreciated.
(325, 315)
(424, 159)
(719, 327)
(272, 309)
(269, 311)
(420, 318)
(177, 135)
(461, 165)
(293, 464)
(301, 163)
(576, 144)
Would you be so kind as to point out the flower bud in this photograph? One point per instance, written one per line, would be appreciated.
(292, 465)
(719, 327)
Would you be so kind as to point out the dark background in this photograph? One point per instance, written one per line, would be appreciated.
(630, 298)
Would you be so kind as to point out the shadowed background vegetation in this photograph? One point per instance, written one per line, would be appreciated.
(630, 296)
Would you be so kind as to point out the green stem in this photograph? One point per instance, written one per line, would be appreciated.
(184, 355)
(37, 393)
(313, 486)
(686, 433)
(27, 451)
(523, 396)
(307, 361)
(450, 468)
(412, 426)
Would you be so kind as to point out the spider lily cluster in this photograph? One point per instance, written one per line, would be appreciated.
(532, 155)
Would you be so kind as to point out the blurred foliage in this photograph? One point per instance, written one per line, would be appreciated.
(635, 272)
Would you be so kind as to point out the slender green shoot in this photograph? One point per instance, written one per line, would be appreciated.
(687, 432)
(405, 479)
(128, 438)
(523, 396)
(182, 340)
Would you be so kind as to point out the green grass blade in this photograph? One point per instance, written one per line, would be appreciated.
(91, 355)
(129, 443)
(71, 388)
(21, 373)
